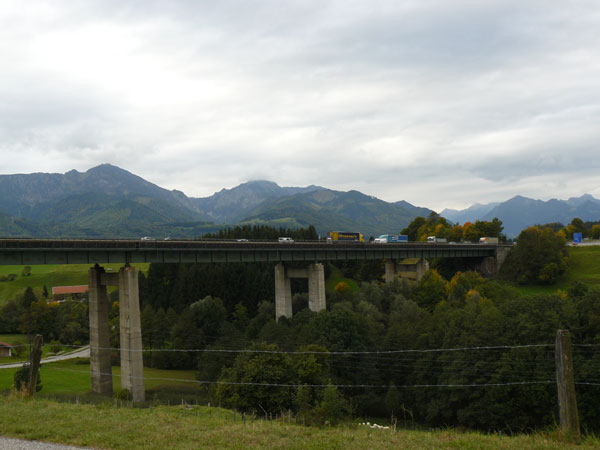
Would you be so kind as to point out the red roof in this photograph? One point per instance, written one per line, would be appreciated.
(4, 344)
(58, 290)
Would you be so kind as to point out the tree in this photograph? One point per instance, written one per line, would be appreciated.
(334, 408)
(259, 381)
(430, 291)
(595, 231)
(413, 228)
(540, 256)
(576, 226)
(28, 297)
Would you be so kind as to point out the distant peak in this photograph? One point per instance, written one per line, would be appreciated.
(260, 183)
(583, 197)
(105, 167)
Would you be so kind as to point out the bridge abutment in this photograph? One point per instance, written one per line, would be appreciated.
(411, 268)
(283, 288)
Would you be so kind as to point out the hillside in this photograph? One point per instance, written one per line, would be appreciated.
(232, 205)
(332, 210)
(30, 195)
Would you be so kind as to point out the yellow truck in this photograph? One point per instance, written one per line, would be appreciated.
(335, 236)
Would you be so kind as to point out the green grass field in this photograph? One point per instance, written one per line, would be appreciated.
(21, 339)
(50, 275)
(72, 377)
(192, 427)
(584, 266)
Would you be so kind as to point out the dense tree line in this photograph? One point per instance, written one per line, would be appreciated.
(587, 229)
(264, 232)
(435, 225)
(465, 311)
(66, 321)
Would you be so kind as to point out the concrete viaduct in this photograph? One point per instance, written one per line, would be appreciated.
(400, 260)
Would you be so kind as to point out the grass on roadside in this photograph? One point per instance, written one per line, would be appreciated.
(187, 427)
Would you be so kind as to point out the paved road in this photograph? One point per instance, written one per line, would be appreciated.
(18, 444)
(83, 352)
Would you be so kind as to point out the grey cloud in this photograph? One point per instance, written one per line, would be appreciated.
(432, 102)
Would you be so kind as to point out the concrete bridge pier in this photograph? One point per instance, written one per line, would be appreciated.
(283, 293)
(132, 363)
(100, 366)
(316, 287)
(390, 270)
(132, 367)
(283, 288)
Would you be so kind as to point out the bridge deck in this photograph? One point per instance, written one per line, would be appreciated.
(89, 251)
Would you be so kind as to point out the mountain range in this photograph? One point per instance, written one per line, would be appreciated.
(107, 201)
(520, 212)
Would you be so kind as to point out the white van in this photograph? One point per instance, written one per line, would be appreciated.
(286, 240)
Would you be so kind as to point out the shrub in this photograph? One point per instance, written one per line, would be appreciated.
(21, 379)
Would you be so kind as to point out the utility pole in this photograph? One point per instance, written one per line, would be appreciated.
(565, 384)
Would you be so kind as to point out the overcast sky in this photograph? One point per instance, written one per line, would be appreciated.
(439, 103)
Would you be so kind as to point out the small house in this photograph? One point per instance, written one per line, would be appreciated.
(5, 349)
(62, 293)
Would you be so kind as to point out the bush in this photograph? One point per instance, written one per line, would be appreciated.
(122, 394)
(19, 348)
(342, 287)
(21, 379)
(334, 408)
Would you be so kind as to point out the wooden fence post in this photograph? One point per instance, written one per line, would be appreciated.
(34, 363)
(565, 384)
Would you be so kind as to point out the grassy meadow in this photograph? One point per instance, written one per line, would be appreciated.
(50, 275)
(72, 378)
(584, 266)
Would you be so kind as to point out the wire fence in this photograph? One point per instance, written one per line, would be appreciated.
(465, 361)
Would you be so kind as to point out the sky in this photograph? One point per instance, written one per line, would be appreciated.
(439, 103)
